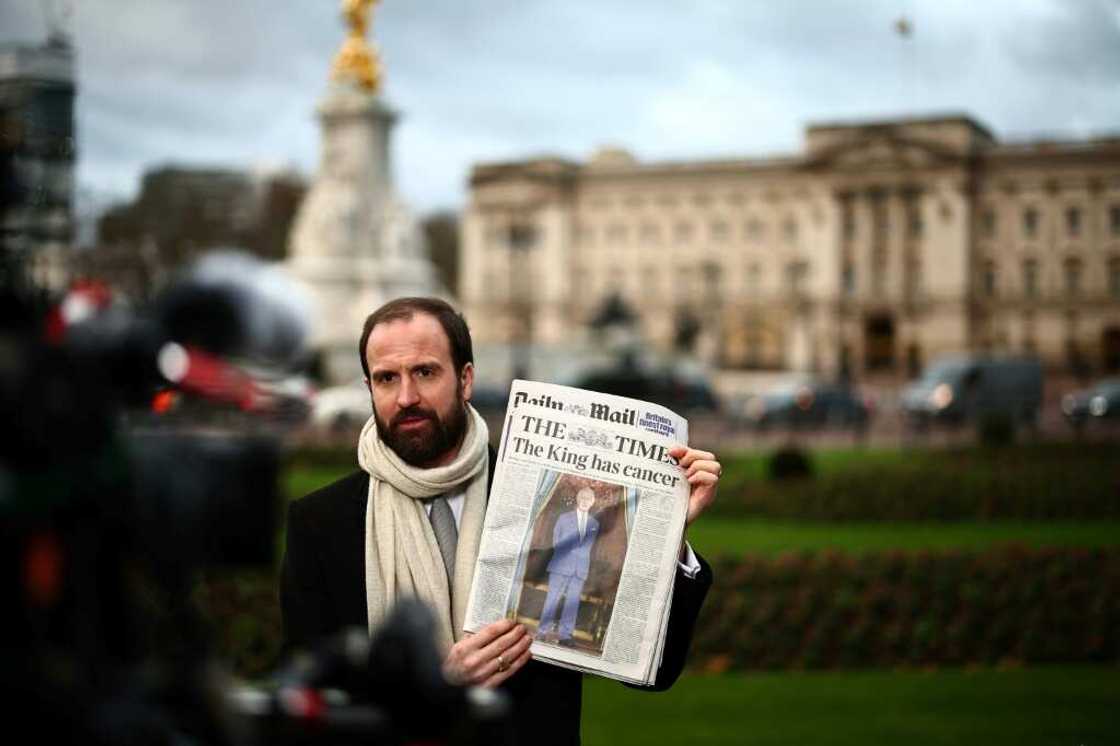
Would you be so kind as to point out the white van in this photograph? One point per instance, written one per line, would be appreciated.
(964, 389)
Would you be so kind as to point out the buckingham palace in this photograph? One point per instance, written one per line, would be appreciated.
(879, 246)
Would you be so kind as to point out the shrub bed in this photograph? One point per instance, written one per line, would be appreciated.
(1033, 483)
(827, 610)
(832, 610)
(242, 609)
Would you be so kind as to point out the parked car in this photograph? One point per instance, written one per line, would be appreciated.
(1097, 404)
(809, 404)
(342, 407)
(288, 399)
(665, 387)
(965, 389)
(348, 406)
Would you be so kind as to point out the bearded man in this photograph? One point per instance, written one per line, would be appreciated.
(409, 523)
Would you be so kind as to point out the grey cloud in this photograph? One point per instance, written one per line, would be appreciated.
(205, 80)
(21, 22)
(1078, 43)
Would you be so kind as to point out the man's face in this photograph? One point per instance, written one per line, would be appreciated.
(585, 499)
(419, 404)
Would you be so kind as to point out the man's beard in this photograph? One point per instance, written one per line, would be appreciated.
(425, 445)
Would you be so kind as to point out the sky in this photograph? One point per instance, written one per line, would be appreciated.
(235, 83)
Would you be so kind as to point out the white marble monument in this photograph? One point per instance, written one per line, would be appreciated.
(354, 243)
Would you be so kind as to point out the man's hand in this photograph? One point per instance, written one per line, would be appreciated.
(702, 471)
(490, 656)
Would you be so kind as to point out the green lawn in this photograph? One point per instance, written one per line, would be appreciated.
(750, 466)
(1055, 706)
(738, 467)
(299, 481)
(716, 535)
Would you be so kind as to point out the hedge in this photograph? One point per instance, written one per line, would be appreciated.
(1034, 482)
(832, 610)
(828, 610)
(242, 609)
(964, 484)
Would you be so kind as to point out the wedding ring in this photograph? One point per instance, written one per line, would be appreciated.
(502, 665)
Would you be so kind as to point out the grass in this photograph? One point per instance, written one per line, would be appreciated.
(297, 482)
(738, 467)
(715, 535)
(828, 461)
(1059, 481)
(1065, 706)
(751, 466)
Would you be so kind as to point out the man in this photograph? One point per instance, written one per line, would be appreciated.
(573, 536)
(410, 522)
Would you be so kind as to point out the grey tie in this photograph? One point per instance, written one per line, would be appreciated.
(447, 536)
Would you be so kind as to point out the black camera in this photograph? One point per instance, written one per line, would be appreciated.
(111, 502)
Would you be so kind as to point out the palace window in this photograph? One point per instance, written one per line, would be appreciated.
(988, 223)
(616, 233)
(848, 278)
(1114, 219)
(988, 279)
(878, 271)
(584, 234)
(683, 286)
(682, 232)
(712, 281)
(882, 218)
(719, 231)
(849, 222)
(754, 280)
(754, 229)
(1114, 277)
(522, 236)
(650, 233)
(496, 236)
(915, 223)
(1028, 333)
(1030, 222)
(789, 228)
(882, 222)
(796, 272)
(1073, 221)
(581, 278)
(1073, 276)
(914, 278)
(1030, 278)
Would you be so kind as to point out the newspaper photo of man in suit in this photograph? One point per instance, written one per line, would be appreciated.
(573, 538)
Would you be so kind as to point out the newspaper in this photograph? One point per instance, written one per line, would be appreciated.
(583, 529)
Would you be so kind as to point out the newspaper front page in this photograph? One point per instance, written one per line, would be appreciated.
(583, 529)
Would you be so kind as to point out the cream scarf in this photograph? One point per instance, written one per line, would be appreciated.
(402, 557)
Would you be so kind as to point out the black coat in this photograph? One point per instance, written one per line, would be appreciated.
(322, 591)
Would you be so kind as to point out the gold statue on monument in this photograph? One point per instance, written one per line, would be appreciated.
(357, 61)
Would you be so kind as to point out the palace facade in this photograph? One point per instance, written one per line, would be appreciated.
(880, 247)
